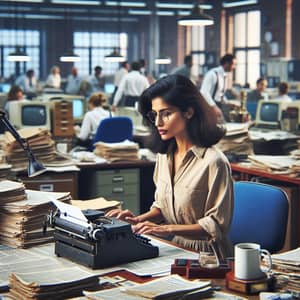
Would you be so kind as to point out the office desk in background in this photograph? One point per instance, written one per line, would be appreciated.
(129, 182)
(291, 186)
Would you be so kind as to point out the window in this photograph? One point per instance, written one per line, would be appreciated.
(29, 41)
(198, 50)
(247, 47)
(92, 47)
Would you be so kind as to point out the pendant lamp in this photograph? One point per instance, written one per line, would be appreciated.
(196, 18)
(18, 56)
(114, 56)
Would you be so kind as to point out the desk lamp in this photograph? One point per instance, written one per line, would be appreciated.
(34, 167)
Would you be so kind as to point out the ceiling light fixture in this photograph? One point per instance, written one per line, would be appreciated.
(115, 56)
(196, 18)
(228, 4)
(125, 3)
(139, 12)
(74, 2)
(18, 56)
(162, 60)
(69, 56)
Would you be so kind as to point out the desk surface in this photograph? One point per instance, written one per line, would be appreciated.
(259, 172)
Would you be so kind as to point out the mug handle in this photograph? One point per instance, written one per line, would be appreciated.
(266, 253)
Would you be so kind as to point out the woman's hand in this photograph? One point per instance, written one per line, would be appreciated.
(152, 228)
(125, 215)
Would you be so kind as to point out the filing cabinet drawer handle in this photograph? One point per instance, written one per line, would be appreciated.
(118, 190)
(117, 179)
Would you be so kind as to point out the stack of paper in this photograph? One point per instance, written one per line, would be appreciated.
(123, 151)
(97, 203)
(54, 284)
(40, 142)
(169, 287)
(236, 140)
(279, 164)
(11, 191)
(22, 221)
(286, 267)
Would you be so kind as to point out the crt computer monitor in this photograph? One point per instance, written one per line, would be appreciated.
(30, 114)
(269, 112)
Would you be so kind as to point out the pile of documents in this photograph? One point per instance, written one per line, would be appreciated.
(123, 151)
(23, 214)
(277, 164)
(51, 284)
(40, 142)
(169, 287)
(236, 141)
(286, 267)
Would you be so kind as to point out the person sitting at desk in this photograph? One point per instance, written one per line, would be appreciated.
(283, 89)
(92, 119)
(194, 195)
(259, 93)
(15, 93)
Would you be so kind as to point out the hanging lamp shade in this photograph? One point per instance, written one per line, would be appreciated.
(18, 56)
(162, 60)
(69, 56)
(115, 56)
(196, 18)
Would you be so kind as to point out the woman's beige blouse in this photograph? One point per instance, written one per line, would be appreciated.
(201, 192)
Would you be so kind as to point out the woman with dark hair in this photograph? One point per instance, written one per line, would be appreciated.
(194, 196)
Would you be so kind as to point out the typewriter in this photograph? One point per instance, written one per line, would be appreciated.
(93, 240)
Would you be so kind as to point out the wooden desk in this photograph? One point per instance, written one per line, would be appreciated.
(290, 184)
(129, 182)
(53, 182)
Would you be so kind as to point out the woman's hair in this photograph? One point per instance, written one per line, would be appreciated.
(12, 94)
(176, 90)
(283, 88)
(97, 99)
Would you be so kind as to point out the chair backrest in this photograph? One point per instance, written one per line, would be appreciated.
(114, 130)
(260, 215)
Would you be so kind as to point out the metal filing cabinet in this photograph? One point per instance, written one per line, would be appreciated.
(118, 184)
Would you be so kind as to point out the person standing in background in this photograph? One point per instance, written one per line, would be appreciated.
(96, 81)
(54, 79)
(131, 87)
(214, 85)
(186, 68)
(73, 82)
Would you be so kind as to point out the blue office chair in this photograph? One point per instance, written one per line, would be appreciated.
(114, 130)
(251, 107)
(260, 215)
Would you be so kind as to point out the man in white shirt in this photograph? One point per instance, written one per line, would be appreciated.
(283, 89)
(131, 87)
(54, 79)
(121, 73)
(214, 83)
(73, 82)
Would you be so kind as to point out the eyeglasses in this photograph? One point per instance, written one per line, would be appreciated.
(163, 115)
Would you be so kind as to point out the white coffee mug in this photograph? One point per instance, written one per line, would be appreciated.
(247, 260)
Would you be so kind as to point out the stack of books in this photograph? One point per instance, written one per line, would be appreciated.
(124, 151)
(23, 215)
(40, 142)
(286, 267)
(51, 284)
(237, 140)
